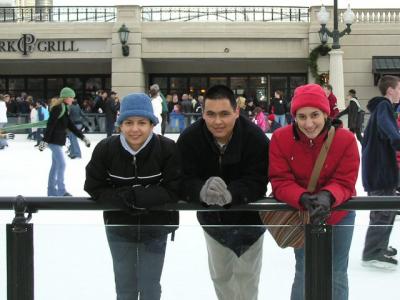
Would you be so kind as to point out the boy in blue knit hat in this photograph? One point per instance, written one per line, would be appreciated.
(134, 171)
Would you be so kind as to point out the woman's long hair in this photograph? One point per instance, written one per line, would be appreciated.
(55, 101)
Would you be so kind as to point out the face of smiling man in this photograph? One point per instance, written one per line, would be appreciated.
(136, 131)
(220, 118)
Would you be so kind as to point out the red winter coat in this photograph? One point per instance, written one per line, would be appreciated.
(292, 156)
(333, 105)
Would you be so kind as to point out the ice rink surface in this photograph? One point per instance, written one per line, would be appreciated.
(72, 259)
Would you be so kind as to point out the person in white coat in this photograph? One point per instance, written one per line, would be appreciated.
(156, 102)
(3, 120)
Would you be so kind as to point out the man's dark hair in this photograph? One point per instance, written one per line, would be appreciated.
(386, 82)
(352, 93)
(219, 92)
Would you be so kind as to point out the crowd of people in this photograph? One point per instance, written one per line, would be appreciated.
(224, 158)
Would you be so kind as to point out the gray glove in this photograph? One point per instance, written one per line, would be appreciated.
(86, 141)
(42, 145)
(224, 199)
(214, 192)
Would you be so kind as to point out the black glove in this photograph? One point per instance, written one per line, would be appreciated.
(86, 141)
(322, 207)
(126, 195)
(307, 201)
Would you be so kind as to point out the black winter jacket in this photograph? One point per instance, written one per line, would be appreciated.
(379, 145)
(154, 175)
(244, 168)
(56, 130)
(352, 111)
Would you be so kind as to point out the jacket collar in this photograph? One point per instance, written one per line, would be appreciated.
(126, 146)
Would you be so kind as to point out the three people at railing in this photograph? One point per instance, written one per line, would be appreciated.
(135, 170)
(293, 153)
(225, 162)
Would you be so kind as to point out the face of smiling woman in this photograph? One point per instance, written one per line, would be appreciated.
(136, 130)
(311, 121)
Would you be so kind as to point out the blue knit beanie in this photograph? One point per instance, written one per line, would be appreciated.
(136, 105)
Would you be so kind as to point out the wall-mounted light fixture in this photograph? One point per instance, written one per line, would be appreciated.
(123, 37)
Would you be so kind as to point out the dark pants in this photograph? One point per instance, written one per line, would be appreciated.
(357, 132)
(137, 265)
(380, 228)
(164, 117)
(110, 124)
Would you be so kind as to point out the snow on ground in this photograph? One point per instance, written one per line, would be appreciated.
(72, 259)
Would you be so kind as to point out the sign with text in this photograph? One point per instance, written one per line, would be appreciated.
(28, 44)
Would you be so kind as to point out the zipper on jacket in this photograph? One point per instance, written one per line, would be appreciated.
(311, 143)
(135, 166)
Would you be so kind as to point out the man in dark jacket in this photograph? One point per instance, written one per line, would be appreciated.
(355, 114)
(225, 162)
(380, 172)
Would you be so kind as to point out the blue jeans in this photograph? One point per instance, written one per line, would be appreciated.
(74, 149)
(341, 242)
(55, 186)
(3, 142)
(281, 119)
(137, 265)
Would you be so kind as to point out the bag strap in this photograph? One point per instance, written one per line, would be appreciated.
(320, 161)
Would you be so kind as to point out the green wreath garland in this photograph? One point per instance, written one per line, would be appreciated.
(320, 50)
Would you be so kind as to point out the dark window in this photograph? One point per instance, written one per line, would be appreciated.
(258, 89)
(218, 80)
(197, 85)
(3, 86)
(54, 86)
(179, 85)
(279, 83)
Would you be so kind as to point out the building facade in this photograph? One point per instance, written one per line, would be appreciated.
(254, 50)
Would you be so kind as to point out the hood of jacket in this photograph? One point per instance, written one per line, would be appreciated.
(373, 103)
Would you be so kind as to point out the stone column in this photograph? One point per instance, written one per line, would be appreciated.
(128, 75)
(336, 76)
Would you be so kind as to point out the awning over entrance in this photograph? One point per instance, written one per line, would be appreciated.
(382, 65)
(386, 64)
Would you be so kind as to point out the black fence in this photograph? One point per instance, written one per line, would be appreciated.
(225, 14)
(58, 14)
(20, 247)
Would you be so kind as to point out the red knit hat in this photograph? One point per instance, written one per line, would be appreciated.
(310, 95)
(271, 117)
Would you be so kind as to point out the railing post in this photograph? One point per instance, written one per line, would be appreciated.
(20, 274)
(318, 262)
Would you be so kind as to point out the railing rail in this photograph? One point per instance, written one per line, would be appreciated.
(20, 238)
(225, 14)
(34, 204)
(386, 15)
(58, 14)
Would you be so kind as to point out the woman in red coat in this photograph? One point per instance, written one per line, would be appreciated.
(293, 152)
